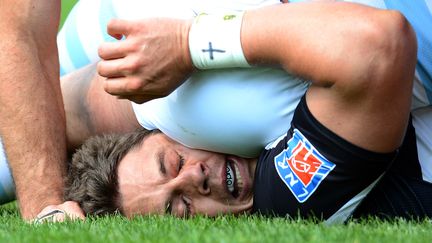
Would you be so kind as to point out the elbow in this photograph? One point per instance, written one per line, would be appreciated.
(396, 44)
(389, 53)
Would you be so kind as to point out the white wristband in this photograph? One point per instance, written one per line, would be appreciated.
(214, 41)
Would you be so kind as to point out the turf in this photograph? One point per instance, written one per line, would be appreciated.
(65, 8)
(202, 229)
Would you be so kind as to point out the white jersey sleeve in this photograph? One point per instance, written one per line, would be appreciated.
(229, 111)
(85, 28)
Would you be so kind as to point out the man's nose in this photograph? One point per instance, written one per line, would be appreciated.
(195, 178)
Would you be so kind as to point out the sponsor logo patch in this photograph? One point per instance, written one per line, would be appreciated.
(301, 167)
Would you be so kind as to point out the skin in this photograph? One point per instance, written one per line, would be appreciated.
(162, 176)
(280, 35)
(363, 84)
(32, 124)
(382, 55)
(90, 110)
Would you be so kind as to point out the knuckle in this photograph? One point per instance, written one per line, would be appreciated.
(130, 66)
(134, 85)
(100, 67)
(101, 51)
(134, 46)
(135, 64)
(107, 87)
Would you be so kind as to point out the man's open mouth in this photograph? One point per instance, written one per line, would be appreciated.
(234, 179)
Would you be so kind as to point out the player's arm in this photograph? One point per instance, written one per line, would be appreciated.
(90, 110)
(361, 61)
(32, 122)
(350, 50)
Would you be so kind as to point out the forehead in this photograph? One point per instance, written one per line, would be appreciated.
(139, 178)
(142, 160)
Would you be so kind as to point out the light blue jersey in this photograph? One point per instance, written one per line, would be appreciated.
(82, 33)
(198, 121)
(85, 29)
(213, 110)
(262, 114)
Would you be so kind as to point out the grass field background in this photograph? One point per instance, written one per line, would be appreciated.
(202, 229)
(66, 7)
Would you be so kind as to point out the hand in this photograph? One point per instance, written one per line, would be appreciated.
(59, 213)
(151, 62)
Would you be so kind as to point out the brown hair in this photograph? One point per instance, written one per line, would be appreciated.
(92, 173)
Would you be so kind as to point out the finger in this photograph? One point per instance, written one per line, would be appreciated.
(119, 27)
(113, 68)
(122, 86)
(112, 50)
(73, 210)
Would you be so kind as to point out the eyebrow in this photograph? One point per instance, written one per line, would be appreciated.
(161, 159)
(162, 169)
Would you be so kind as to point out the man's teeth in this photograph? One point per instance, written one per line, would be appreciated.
(239, 179)
(233, 177)
(230, 179)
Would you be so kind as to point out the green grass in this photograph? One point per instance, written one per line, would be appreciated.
(201, 229)
(65, 8)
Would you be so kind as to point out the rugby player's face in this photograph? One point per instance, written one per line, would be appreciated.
(162, 176)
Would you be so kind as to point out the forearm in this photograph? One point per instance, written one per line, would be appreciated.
(32, 123)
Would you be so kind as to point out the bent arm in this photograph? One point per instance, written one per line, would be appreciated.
(90, 110)
(357, 58)
(32, 121)
(360, 60)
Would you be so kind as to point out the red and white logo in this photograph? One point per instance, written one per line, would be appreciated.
(301, 167)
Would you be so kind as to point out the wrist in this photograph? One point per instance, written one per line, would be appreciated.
(32, 202)
(30, 208)
(214, 41)
(187, 58)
